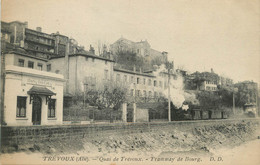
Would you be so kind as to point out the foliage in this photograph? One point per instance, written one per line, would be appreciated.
(209, 100)
(110, 97)
(157, 61)
(226, 95)
(196, 79)
(247, 92)
(128, 59)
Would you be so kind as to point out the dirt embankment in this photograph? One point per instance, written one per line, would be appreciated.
(159, 141)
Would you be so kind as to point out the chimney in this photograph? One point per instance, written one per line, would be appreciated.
(212, 71)
(39, 29)
(26, 24)
(92, 50)
(165, 55)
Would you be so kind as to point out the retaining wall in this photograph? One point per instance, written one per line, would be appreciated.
(11, 135)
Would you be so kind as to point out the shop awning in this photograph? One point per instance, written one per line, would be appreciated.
(36, 90)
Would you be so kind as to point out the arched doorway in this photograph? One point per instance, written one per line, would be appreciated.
(36, 110)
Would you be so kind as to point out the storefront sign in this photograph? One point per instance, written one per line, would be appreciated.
(42, 82)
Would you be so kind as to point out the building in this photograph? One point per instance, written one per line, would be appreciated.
(32, 96)
(47, 67)
(142, 49)
(30, 93)
(83, 70)
(139, 84)
(38, 43)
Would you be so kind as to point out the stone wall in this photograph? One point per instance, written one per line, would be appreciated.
(20, 135)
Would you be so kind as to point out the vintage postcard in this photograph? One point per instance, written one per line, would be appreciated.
(116, 82)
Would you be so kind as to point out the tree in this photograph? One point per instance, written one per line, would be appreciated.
(209, 100)
(247, 93)
(226, 95)
(111, 97)
(196, 79)
(128, 59)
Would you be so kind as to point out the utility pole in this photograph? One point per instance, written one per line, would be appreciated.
(256, 104)
(234, 102)
(169, 96)
(134, 104)
(168, 66)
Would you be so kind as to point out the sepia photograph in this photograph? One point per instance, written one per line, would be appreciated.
(115, 82)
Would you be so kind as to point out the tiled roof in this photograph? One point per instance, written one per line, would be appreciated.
(41, 91)
(86, 55)
(132, 72)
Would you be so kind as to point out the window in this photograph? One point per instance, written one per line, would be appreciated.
(125, 78)
(21, 62)
(51, 108)
(150, 82)
(138, 93)
(138, 80)
(106, 74)
(144, 81)
(48, 67)
(155, 83)
(21, 106)
(39, 66)
(30, 64)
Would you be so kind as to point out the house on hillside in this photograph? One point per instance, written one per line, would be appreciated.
(141, 49)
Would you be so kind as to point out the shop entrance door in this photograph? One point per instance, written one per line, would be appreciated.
(36, 110)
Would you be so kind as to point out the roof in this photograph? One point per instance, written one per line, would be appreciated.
(41, 91)
(124, 39)
(17, 22)
(46, 35)
(85, 55)
(132, 72)
(20, 52)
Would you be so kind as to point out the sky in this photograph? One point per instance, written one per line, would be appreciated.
(197, 34)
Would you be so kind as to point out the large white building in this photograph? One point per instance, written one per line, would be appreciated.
(32, 96)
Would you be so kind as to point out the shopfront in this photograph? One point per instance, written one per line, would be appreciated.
(32, 97)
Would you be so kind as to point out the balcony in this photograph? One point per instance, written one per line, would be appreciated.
(38, 41)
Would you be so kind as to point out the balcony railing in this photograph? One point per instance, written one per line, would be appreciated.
(35, 40)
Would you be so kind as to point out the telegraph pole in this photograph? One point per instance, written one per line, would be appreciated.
(134, 104)
(234, 104)
(168, 66)
(169, 96)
